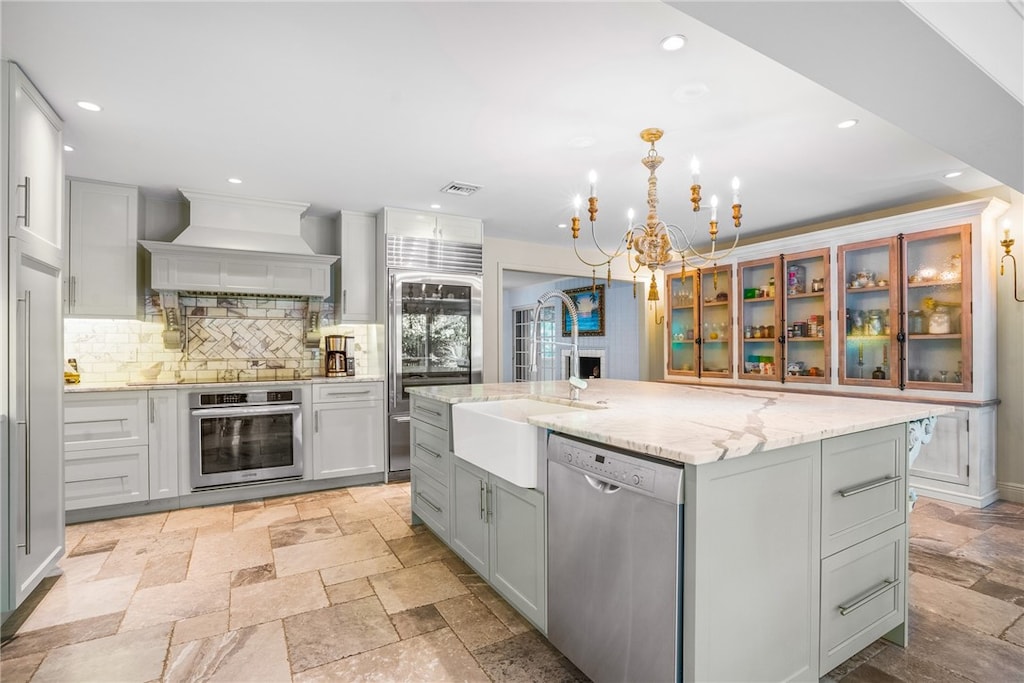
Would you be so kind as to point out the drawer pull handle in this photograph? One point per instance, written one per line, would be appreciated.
(867, 487)
(401, 418)
(347, 393)
(428, 410)
(433, 453)
(886, 585)
(427, 501)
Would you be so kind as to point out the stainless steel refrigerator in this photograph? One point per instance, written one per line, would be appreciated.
(434, 326)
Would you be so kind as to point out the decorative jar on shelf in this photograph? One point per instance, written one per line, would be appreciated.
(939, 322)
(879, 373)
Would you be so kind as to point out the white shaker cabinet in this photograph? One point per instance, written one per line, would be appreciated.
(163, 443)
(348, 429)
(102, 255)
(434, 226)
(31, 346)
(356, 291)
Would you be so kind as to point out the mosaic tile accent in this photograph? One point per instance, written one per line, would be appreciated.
(243, 338)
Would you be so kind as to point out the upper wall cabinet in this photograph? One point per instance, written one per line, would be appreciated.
(103, 232)
(699, 323)
(355, 282)
(35, 166)
(433, 226)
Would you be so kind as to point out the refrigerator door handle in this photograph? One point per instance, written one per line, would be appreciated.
(393, 353)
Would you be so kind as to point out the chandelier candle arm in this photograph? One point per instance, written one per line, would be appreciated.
(651, 244)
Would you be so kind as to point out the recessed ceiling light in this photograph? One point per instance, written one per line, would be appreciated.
(69, 148)
(235, 181)
(582, 142)
(563, 225)
(848, 123)
(89, 106)
(435, 206)
(953, 174)
(688, 92)
(673, 43)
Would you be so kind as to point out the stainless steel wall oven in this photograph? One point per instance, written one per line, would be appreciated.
(240, 437)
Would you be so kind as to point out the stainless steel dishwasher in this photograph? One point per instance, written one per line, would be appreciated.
(615, 525)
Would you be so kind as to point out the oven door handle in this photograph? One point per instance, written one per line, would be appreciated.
(250, 410)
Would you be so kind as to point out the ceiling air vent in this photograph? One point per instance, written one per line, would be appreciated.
(464, 189)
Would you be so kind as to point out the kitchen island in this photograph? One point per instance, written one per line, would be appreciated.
(793, 551)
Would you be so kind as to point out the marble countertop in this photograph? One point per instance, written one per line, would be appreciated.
(171, 384)
(694, 424)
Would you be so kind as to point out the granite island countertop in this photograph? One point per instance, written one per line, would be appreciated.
(693, 424)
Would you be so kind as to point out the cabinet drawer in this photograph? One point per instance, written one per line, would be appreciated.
(429, 410)
(430, 503)
(862, 596)
(106, 476)
(105, 420)
(348, 391)
(864, 487)
(429, 450)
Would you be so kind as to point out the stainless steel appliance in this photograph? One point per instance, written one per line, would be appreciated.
(337, 357)
(240, 437)
(435, 328)
(615, 526)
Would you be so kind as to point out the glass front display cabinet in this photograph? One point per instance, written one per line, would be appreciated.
(699, 323)
(907, 305)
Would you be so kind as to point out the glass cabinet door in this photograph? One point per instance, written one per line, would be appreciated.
(682, 324)
(807, 317)
(715, 321)
(938, 327)
(759, 317)
(869, 300)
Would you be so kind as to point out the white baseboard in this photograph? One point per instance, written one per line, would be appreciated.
(1011, 491)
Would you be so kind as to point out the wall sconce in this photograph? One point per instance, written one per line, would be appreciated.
(1007, 244)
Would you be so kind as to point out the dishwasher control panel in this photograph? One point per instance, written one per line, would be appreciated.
(608, 466)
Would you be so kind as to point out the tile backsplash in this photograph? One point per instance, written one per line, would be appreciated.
(226, 339)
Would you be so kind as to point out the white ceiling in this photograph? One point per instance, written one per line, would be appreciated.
(361, 105)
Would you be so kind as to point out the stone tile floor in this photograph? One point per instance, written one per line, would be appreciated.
(337, 586)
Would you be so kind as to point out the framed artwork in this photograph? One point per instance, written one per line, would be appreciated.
(590, 304)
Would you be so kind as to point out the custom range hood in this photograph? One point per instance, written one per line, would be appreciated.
(240, 245)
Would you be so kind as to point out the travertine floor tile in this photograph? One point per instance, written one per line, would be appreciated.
(940, 536)
(221, 516)
(419, 549)
(900, 665)
(356, 512)
(132, 554)
(276, 599)
(999, 547)
(219, 553)
(417, 621)
(135, 656)
(391, 526)
(121, 527)
(202, 626)
(955, 570)
(364, 494)
(431, 657)
(253, 655)
(73, 602)
(357, 570)
(251, 575)
(325, 635)
(266, 516)
(165, 569)
(292, 533)
(474, 624)
(420, 585)
(304, 557)
(79, 568)
(348, 591)
(41, 640)
(526, 657)
(501, 609)
(970, 608)
(19, 669)
(175, 601)
(1015, 634)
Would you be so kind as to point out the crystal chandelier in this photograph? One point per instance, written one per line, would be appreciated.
(653, 243)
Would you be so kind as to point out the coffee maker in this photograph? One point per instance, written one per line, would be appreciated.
(338, 361)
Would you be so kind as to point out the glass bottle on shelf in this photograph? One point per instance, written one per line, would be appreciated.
(866, 340)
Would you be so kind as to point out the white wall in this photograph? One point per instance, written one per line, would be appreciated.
(1010, 362)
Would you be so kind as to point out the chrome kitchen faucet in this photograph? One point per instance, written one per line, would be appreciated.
(575, 383)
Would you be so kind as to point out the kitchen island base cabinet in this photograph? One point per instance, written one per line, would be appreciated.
(498, 529)
(430, 465)
(955, 465)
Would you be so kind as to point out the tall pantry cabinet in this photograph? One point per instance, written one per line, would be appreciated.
(31, 379)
